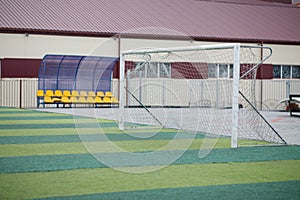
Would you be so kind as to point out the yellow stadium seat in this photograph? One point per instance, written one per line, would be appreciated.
(67, 93)
(82, 99)
(49, 93)
(40, 93)
(90, 100)
(65, 99)
(48, 99)
(55, 99)
(58, 93)
(40, 97)
(100, 94)
(108, 94)
(98, 100)
(74, 99)
(114, 100)
(75, 93)
(106, 100)
(83, 93)
(91, 93)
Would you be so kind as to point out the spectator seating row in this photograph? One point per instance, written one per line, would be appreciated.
(75, 97)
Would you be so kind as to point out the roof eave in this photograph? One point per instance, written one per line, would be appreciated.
(146, 36)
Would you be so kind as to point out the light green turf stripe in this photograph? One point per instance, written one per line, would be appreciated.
(73, 131)
(41, 149)
(78, 148)
(31, 132)
(92, 181)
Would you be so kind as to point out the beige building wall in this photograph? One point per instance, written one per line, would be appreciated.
(285, 54)
(36, 46)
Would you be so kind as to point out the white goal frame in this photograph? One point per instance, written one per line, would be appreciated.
(235, 84)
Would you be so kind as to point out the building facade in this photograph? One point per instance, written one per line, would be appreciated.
(29, 30)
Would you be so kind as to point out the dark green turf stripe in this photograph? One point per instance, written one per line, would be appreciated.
(63, 125)
(270, 190)
(77, 161)
(48, 163)
(37, 117)
(18, 111)
(93, 138)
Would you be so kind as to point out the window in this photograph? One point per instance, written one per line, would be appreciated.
(296, 71)
(220, 70)
(152, 70)
(164, 70)
(276, 71)
(223, 71)
(286, 71)
(212, 70)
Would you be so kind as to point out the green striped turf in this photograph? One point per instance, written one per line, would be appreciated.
(41, 131)
(57, 126)
(73, 131)
(93, 138)
(60, 120)
(23, 112)
(78, 161)
(59, 123)
(270, 190)
(8, 150)
(35, 117)
(105, 180)
(41, 156)
(16, 111)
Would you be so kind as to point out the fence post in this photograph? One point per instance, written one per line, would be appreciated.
(20, 100)
(288, 88)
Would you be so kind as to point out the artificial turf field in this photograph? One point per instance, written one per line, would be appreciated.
(42, 156)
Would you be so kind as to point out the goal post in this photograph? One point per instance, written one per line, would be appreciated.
(212, 87)
(235, 96)
(122, 92)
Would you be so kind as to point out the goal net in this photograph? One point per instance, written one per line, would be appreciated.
(206, 90)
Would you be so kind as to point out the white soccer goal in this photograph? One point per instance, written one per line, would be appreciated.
(204, 89)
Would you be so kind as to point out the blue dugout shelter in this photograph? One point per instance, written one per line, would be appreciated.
(68, 72)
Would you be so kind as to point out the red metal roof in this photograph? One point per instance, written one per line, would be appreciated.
(215, 20)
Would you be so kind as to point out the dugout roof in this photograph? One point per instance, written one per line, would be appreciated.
(205, 20)
(67, 72)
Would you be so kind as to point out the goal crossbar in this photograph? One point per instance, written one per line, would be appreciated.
(192, 48)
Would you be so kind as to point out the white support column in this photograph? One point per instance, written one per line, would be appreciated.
(235, 96)
(122, 93)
